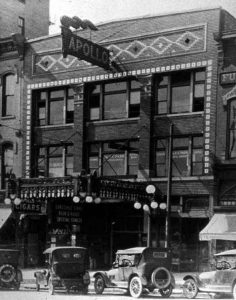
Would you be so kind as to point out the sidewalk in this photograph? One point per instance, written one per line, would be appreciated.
(29, 279)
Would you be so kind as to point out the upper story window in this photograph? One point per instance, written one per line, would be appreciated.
(54, 161)
(187, 156)
(114, 159)
(114, 100)
(21, 25)
(54, 107)
(8, 90)
(180, 92)
(232, 129)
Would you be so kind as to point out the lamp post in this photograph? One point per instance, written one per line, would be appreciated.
(12, 192)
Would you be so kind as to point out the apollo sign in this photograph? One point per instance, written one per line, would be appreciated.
(84, 49)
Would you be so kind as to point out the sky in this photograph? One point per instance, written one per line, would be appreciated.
(100, 11)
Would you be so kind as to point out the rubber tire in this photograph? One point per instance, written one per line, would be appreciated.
(153, 278)
(99, 284)
(165, 293)
(234, 291)
(135, 287)
(50, 287)
(190, 289)
(13, 275)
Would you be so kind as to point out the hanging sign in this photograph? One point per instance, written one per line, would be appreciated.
(84, 49)
(228, 78)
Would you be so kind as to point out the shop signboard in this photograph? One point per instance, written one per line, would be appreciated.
(228, 78)
(31, 206)
(84, 49)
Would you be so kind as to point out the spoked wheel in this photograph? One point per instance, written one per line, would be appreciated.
(50, 287)
(165, 293)
(234, 291)
(135, 287)
(99, 285)
(190, 289)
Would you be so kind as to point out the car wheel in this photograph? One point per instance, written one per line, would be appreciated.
(165, 293)
(135, 287)
(7, 273)
(190, 289)
(234, 291)
(50, 287)
(161, 278)
(99, 285)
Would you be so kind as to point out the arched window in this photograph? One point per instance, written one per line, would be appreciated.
(232, 128)
(7, 162)
(8, 89)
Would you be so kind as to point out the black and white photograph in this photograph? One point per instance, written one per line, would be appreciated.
(117, 149)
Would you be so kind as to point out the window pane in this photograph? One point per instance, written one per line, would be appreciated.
(10, 84)
(42, 114)
(134, 108)
(162, 107)
(55, 167)
(180, 78)
(93, 163)
(180, 99)
(113, 165)
(59, 94)
(133, 163)
(161, 144)
(115, 106)
(197, 165)
(135, 84)
(180, 142)
(70, 106)
(9, 106)
(162, 80)
(94, 103)
(199, 90)
(180, 163)
(200, 76)
(69, 165)
(56, 112)
(115, 86)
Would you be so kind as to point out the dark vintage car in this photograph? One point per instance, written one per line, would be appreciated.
(221, 280)
(137, 270)
(67, 270)
(10, 274)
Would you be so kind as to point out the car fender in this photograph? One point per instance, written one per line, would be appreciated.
(195, 278)
(172, 282)
(233, 284)
(142, 278)
(104, 276)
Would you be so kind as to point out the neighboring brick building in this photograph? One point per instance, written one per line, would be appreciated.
(19, 20)
(78, 116)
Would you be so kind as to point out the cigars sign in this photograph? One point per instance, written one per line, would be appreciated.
(84, 49)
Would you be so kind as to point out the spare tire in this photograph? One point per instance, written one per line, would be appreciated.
(7, 273)
(161, 278)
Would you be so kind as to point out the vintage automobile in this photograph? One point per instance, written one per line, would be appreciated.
(221, 280)
(10, 274)
(67, 270)
(138, 270)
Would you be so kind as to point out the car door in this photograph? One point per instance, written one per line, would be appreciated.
(222, 280)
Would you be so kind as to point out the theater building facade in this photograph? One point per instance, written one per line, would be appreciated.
(155, 109)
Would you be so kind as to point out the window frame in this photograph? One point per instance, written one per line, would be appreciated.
(100, 153)
(52, 154)
(5, 146)
(6, 96)
(169, 87)
(128, 106)
(229, 130)
(190, 152)
(46, 105)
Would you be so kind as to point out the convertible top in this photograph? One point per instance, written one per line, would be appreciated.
(228, 252)
(52, 249)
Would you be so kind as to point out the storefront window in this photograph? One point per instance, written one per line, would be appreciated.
(180, 92)
(161, 158)
(7, 162)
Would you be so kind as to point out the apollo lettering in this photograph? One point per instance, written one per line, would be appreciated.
(85, 49)
(88, 50)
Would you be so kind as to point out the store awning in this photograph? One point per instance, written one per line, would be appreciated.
(220, 227)
(4, 215)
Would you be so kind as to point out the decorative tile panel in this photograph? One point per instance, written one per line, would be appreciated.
(163, 44)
